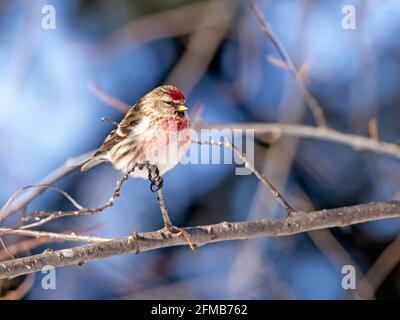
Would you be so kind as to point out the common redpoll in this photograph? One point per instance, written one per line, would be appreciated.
(155, 130)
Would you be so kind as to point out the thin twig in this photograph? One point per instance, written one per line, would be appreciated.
(108, 99)
(50, 179)
(163, 207)
(227, 143)
(41, 238)
(169, 23)
(196, 118)
(379, 271)
(21, 290)
(167, 221)
(5, 248)
(308, 97)
(373, 129)
(294, 130)
(45, 217)
(24, 246)
(3, 210)
(202, 44)
(51, 235)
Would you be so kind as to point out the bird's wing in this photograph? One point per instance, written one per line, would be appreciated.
(131, 119)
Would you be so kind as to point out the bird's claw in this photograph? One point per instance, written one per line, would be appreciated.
(156, 184)
(180, 233)
(156, 179)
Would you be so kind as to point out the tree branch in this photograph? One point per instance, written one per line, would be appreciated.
(51, 235)
(108, 99)
(62, 171)
(357, 142)
(227, 143)
(308, 97)
(139, 242)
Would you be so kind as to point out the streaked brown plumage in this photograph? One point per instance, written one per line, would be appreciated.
(148, 129)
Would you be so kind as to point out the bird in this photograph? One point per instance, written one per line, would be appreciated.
(155, 133)
(156, 130)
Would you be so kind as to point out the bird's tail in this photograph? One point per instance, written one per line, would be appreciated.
(90, 163)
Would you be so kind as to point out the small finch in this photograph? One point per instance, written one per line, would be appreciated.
(155, 130)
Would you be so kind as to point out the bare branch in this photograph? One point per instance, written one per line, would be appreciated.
(202, 44)
(107, 99)
(22, 289)
(5, 248)
(165, 24)
(51, 235)
(62, 171)
(312, 103)
(48, 186)
(251, 167)
(382, 267)
(163, 208)
(355, 141)
(296, 223)
(43, 217)
(23, 246)
(373, 128)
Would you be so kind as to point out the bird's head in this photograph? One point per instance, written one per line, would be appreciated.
(166, 100)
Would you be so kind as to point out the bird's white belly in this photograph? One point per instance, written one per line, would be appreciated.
(154, 149)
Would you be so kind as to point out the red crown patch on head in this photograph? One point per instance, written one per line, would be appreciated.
(176, 94)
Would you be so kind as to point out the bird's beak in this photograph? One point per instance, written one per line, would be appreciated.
(181, 108)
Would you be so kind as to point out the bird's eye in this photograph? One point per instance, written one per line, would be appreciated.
(169, 103)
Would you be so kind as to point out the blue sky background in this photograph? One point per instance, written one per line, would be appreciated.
(47, 115)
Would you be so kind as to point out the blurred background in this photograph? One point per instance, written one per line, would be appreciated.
(216, 52)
